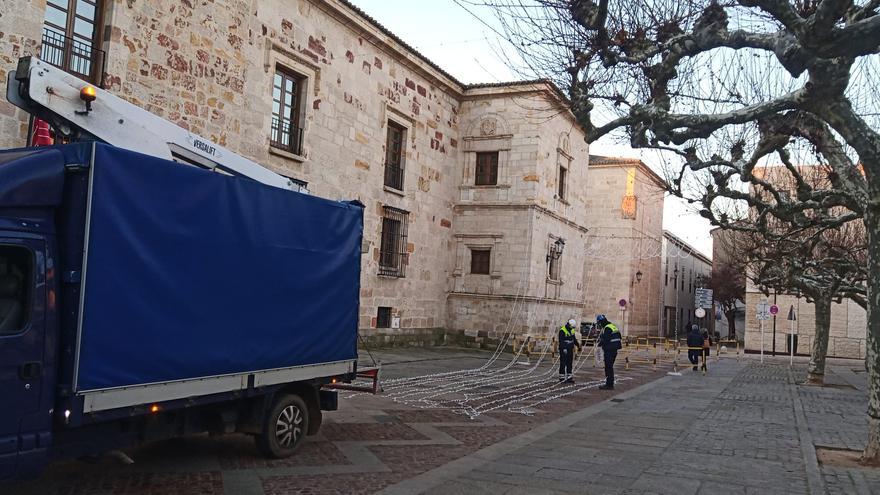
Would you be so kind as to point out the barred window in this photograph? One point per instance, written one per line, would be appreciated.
(481, 261)
(287, 110)
(393, 256)
(383, 317)
(487, 169)
(394, 156)
(70, 34)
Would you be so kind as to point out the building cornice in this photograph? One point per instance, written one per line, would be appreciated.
(518, 206)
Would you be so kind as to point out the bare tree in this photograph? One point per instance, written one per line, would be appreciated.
(728, 284)
(727, 86)
(823, 267)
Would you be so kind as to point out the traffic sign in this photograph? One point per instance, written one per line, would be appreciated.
(700, 312)
(703, 297)
(774, 310)
(622, 303)
(762, 310)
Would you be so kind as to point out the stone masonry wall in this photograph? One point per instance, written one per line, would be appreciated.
(21, 26)
(211, 71)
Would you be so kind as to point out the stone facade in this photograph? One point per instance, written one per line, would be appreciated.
(625, 216)
(681, 266)
(212, 70)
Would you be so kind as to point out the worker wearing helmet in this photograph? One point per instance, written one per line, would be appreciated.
(610, 342)
(567, 341)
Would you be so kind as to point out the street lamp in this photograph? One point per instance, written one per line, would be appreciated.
(675, 284)
(556, 250)
(639, 276)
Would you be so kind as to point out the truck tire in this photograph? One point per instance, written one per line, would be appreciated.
(284, 427)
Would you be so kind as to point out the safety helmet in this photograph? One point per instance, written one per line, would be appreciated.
(601, 318)
(572, 323)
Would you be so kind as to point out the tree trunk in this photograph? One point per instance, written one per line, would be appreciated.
(731, 324)
(872, 359)
(816, 370)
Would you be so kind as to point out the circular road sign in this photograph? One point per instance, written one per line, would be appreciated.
(622, 303)
(774, 309)
(700, 312)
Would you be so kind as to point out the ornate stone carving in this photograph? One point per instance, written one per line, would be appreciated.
(488, 127)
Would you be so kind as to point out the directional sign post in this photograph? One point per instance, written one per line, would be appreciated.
(792, 317)
(762, 313)
(703, 298)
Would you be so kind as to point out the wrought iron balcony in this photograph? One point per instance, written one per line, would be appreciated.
(286, 137)
(74, 56)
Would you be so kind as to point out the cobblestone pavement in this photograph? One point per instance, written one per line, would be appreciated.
(372, 442)
(743, 428)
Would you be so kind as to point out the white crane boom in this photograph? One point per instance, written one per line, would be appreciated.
(62, 100)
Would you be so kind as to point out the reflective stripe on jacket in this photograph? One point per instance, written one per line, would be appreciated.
(567, 338)
(610, 339)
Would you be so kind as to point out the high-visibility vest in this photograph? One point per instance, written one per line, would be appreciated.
(615, 334)
(565, 331)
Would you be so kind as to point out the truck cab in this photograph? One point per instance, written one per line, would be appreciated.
(27, 299)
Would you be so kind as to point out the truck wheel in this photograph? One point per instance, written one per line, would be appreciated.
(284, 428)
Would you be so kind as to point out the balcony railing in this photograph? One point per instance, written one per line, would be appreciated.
(394, 176)
(74, 56)
(286, 137)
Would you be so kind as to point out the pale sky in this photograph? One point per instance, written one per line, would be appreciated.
(465, 45)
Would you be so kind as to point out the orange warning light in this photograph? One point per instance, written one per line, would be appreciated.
(88, 94)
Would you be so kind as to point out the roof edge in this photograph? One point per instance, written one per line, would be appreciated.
(696, 252)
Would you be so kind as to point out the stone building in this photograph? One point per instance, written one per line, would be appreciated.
(683, 268)
(476, 195)
(847, 334)
(625, 216)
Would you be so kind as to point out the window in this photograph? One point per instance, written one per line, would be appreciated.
(666, 276)
(481, 260)
(383, 317)
(553, 270)
(287, 89)
(392, 251)
(394, 154)
(69, 38)
(562, 176)
(16, 267)
(487, 169)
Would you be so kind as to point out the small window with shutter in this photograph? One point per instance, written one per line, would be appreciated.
(487, 169)
(481, 261)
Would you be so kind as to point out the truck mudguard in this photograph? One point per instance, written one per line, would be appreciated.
(194, 274)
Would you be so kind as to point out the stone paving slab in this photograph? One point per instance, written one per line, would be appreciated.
(744, 428)
(371, 443)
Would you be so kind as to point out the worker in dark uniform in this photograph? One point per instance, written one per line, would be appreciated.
(694, 343)
(610, 342)
(567, 342)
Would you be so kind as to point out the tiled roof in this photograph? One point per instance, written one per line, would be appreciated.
(404, 44)
(625, 161)
(439, 69)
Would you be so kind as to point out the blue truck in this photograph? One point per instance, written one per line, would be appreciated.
(142, 299)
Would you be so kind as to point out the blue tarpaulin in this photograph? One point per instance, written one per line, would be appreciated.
(193, 274)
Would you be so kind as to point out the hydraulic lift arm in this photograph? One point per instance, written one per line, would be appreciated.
(81, 111)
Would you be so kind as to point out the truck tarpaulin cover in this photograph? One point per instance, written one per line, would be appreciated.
(193, 273)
